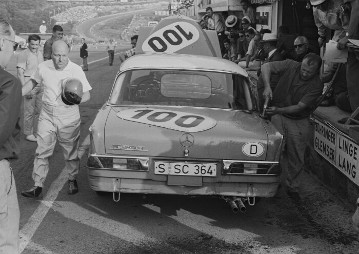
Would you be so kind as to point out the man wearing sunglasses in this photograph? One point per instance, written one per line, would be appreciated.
(301, 48)
(10, 101)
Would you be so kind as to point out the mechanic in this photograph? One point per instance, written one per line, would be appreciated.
(111, 45)
(294, 97)
(57, 120)
(10, 103)
(57, 34)
(27, 63)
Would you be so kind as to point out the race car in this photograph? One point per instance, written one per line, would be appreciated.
(183, 124)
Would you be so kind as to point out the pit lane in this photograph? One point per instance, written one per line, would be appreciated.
(88, 223)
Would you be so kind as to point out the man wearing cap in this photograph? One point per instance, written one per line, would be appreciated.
(269, 42)
(58, 121)
(248, 10)
(328, 14)
(215, 22)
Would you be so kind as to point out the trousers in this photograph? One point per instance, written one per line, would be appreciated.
(9, 211)
(32, 107)
(57, 123)
(352, 78)
(296, 135)
(84, 63)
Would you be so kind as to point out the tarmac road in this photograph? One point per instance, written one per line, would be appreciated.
(88, 223)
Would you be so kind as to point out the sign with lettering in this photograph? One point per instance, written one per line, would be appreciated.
(337, 149)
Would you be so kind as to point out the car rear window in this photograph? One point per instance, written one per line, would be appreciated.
(180, 88)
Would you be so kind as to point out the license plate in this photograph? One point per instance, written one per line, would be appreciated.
(185, 169)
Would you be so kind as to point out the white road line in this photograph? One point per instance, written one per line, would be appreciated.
(29, 229)
(98, 60)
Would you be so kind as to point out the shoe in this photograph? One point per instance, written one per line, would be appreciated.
(31, 138)
(34, 192)
(73, 188)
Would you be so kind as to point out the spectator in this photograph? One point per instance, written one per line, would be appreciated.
(246, 23)
(232, 28)
(10, 103)
(84, 54)
(248, 11)
(285, 42)
(353, 56)
(301, 47)
(111, 46)
(328, 15)
(295, 96)
(230, 53)
(241, 43)
(57, 34)
(269, 42)
(215, 22)
(253, 37)
(27, 63)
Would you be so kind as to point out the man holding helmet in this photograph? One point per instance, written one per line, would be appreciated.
(59, 119)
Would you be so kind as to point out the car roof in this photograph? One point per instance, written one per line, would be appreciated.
(181, 62)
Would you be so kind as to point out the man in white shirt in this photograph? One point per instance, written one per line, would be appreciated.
(57, 121)
(27, 62)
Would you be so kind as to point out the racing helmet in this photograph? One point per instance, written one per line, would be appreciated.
(72, 91)
(316, 2)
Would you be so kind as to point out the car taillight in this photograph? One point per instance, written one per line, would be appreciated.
(120, 163)
(238, 167)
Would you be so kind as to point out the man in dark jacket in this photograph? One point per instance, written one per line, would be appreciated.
(269, 42)
(84, 54)
(10, 101)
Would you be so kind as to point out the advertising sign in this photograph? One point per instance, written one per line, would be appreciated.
(337, 149)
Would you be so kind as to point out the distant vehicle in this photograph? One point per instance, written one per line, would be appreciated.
(152, 23)
(183, 124)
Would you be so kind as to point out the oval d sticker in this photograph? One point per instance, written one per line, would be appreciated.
(253, 149)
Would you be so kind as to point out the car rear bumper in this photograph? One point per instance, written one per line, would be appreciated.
(246, 186)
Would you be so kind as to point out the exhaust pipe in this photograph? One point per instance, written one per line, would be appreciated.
(240, 205)
(233, 205)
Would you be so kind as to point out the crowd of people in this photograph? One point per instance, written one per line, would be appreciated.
(76, 14)
(241, 43)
